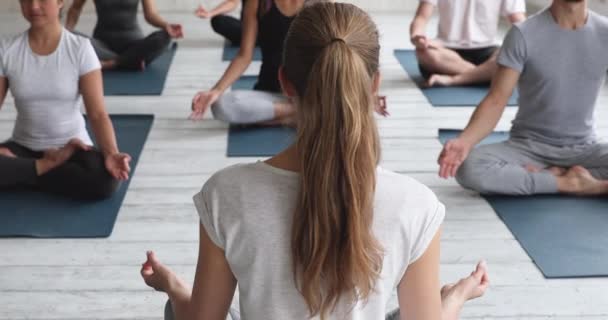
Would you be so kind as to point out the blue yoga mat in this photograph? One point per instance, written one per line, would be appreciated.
(256, 141)
(150, 82)
(457, 96)
(245, 83)
(231, 51)
(449, 134)
(41, 215)
(565, 236)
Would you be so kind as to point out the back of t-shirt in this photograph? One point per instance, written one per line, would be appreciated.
(562, 72)
(247, 211)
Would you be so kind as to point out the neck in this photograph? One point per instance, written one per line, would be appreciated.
(288, 160)
(44, 34)
(569, 14)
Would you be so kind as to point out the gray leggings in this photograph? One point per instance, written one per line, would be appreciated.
(500, 168)
(246, 106)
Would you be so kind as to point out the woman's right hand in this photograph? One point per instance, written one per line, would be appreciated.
(452, 156)
(202, 101)
(202, 13)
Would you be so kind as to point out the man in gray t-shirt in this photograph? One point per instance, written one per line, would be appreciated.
(558, 60)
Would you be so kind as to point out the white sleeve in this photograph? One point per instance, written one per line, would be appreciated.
(203, 201)
(88, 58)
(510, 7)
(423, 225)
(433, 2)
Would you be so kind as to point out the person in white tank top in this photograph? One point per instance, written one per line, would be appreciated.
(49, 71)
(319, 231)
(465, 50)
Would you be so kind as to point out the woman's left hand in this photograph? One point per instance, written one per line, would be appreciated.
(381, 107)
(175, 30)
(117, 165)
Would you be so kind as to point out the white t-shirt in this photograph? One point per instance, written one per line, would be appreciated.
(469, 24)
(46, 89)
(247, 210)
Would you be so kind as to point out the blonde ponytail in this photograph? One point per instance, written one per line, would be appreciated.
(331, 56)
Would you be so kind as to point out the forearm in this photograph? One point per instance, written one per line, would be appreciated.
(450, 311)
(104, 133)
(180, 296)
(224, 7)
(418, 27)
(156, 20)
(483, 121)
(236, 68)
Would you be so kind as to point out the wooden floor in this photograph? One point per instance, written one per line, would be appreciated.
(98, 279)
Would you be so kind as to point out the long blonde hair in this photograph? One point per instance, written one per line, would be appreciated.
(331, 57)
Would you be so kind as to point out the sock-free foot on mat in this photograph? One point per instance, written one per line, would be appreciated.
(230, 52)
(42, 215)
(150, 82)
(455, 96)
(256, 141)
(564, 235)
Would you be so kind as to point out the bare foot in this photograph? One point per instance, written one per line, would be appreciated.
(440, 80)
(5, 152)
(579, 181)
(557, 171)
(469, 288)
(53, 158)
(532, 168)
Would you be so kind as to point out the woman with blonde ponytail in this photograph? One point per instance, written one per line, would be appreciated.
(320, 231)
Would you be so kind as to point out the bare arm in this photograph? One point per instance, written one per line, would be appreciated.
(516, 17)
(224, 7)
(91, 88)
(423, 14)
(245, 54)
(74, 14)
(3, 90)
(418, 291)
(214, 286)
(491, 108)
(152, 16)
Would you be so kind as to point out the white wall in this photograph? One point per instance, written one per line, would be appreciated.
(600, 6)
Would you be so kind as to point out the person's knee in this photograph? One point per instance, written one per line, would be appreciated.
(231, 107)
(428, 58)
(216, 23)
(98, 183)
(161, 38)
(473, 175)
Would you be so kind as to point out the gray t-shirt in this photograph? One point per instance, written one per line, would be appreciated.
(247, 211)
(562, 72)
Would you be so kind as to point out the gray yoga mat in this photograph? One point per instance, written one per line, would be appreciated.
(42, 215)
(456, 96)
(231, 51)
(140, 83)
(565, 236)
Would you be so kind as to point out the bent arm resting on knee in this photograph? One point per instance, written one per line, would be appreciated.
(418, 25)
(74, 14)
(491, 108)
(245, 54)
(92, 95)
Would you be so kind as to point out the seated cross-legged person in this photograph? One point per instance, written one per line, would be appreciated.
(553, 147)
(48, 69)
(224, 25)
(465, 50)
(320, 231)
(118, 38)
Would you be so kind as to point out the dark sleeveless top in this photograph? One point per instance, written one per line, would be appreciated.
(117, 24)
(272, 30)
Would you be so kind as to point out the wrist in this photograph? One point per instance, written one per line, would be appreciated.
(176, 288)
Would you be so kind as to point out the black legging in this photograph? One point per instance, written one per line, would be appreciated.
(83, 176)
(130, 55)
(228, 27)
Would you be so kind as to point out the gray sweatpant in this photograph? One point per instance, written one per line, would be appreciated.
(246, 106)
(500, 168)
